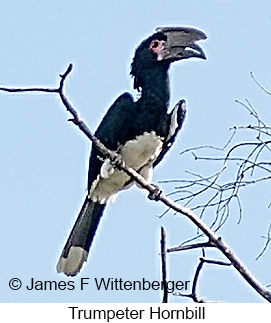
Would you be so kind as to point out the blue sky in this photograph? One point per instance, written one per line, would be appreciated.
(44, 158)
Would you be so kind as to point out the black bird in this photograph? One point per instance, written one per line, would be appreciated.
(141, 132)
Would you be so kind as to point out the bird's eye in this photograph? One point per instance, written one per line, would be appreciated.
(155, 44)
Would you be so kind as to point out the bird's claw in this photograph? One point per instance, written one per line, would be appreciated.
(155, 194)
(117, 161)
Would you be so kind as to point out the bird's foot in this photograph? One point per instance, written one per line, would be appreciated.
(117, 161)
(155, 194)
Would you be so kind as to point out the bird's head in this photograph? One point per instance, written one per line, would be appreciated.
(166, 45)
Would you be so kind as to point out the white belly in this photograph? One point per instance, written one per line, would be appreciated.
(139, 154)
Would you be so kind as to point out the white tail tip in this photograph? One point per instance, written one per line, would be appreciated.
(71, 265)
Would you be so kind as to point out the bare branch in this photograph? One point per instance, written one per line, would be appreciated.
(202, 261)
(220, 196)
(33, 89)
(191, 246)
(259, 84)
(268, 240)
(164, 265)
(213, 238)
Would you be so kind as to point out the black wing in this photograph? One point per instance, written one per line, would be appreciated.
(175, 122)
(113, 131)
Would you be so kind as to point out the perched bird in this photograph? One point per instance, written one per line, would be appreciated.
(141, 132)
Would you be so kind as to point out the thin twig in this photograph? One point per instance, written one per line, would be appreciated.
(259, 84)
(164, 265)
(202, 261)
(191, 246)
(268, 240)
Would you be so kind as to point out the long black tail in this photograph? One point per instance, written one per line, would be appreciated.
(77, 246)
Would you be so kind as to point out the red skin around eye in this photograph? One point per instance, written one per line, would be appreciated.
(156, 46)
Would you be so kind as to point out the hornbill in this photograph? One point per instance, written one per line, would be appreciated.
(141, 132)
